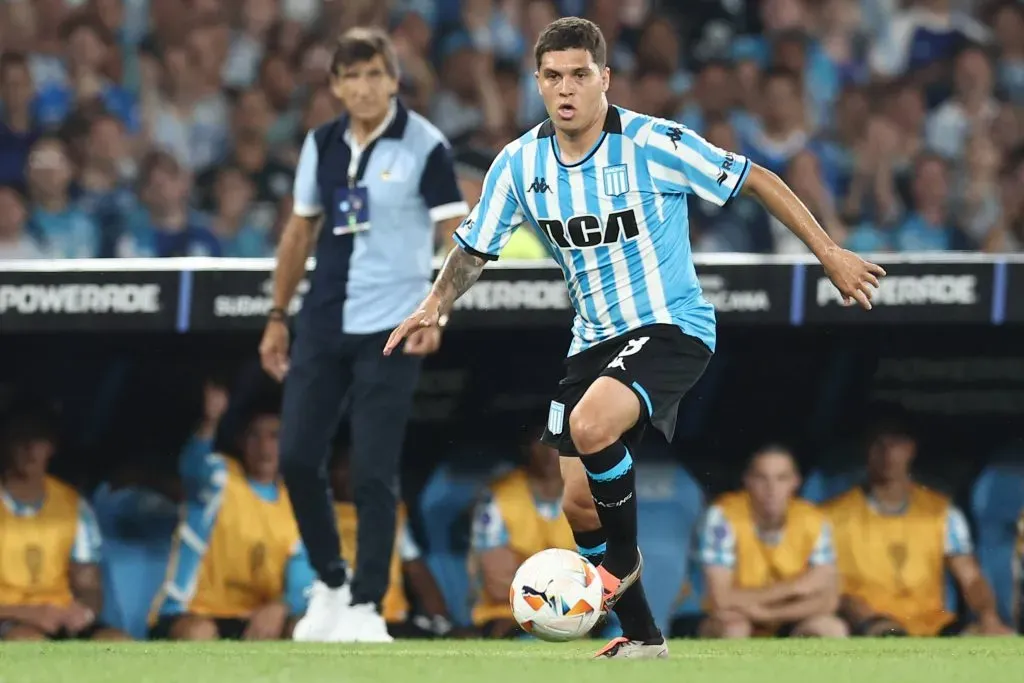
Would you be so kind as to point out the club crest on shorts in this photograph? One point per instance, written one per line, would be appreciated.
(556, 418)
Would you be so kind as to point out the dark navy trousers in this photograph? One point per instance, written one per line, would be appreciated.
(331, 374)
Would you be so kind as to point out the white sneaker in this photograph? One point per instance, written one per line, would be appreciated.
(362, 624)
(623, 648)
(327, 607)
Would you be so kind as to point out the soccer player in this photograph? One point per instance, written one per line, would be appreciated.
(237, 570)
(607, 188)
(895, 541)
(50, 543)
(769, 562)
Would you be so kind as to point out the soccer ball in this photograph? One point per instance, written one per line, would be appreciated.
(556, 595)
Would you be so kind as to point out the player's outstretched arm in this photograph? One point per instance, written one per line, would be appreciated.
(460, 270)
(854, 277)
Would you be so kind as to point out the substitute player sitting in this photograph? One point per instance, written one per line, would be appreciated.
(895, 539)
(520, 515)
(607, 189)
(237, 569)
(50, 545)
(769, 563)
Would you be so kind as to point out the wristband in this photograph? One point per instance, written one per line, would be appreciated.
(442, 321)
(277, 313)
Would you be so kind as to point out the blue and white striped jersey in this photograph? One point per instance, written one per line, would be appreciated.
(616, 222)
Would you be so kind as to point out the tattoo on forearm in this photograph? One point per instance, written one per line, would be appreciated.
(461, 269)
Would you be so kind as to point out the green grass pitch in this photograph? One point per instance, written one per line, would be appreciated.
(763, 661)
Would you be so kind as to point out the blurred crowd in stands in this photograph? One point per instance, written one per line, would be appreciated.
(172, 127)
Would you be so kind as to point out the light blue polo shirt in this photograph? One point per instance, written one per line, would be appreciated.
(368, 281)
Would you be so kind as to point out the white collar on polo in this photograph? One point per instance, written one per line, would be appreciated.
(357, 149)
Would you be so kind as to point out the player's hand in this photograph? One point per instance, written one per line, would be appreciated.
(77, 617)
(855, 278)
(423, 342)
(46, 618)
(274, 349)
(215, 402)
(428, 315)
(267, 623)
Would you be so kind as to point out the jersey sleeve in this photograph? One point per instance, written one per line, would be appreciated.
(824, 552)
(408, 549)
(682, 162)
(489, 530)
(299, 576)
(958, 534)
(306, 194)
(717, 540)
(204, 476)
(439, 187)
(88, 545)
(495, 217)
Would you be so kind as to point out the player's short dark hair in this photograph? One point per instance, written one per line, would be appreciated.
(771, 447)
(30, 421)
(887, 419)
(572, 33)
(361, 45)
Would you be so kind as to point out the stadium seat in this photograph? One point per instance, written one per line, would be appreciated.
(822, 485)
(996, 502)
(670, 503)
(446, 505)
(137, 525)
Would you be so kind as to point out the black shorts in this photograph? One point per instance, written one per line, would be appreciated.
(227, 628)
(659, 363)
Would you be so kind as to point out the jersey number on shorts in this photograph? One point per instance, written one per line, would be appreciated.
(633, 347)
(586, 231)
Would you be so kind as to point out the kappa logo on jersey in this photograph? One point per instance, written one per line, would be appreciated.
(675, 135)
(633, 347)
(539, 185)
(587, 231)
(616, 180)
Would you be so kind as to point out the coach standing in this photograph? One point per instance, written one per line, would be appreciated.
(369, 189)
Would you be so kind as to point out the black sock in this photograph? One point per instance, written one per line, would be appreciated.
(590, 544)
(335, 575)
(613, 487)
(635, 615)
